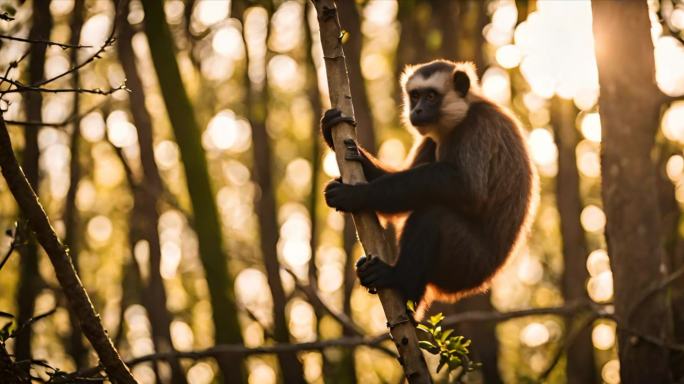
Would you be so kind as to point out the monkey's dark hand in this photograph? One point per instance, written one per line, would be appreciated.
(374, 273)
(344, 197)
(331, 118)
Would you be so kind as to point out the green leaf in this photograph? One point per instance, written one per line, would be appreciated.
(436, 319)
(428, 346)
(446, 334)
(411, 305)
(424, 328)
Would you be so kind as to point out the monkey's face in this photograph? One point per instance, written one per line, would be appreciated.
(425, 105)
(436, 102)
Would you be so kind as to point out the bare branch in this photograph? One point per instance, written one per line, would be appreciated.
(318, 302)
(26, 88)
(48, 42)
(109, 42)
(60, 124)
(79, 300)
(13, 245)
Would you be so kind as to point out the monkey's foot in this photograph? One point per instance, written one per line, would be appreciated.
(374, 273)
(351, 151)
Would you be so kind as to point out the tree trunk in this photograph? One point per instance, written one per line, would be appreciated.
(207, 225)
(674, 247)
(29, 276)
(580, 367)
(76, 348)
(144, 219)
(266, 210)
(370, 232)
(629, 106)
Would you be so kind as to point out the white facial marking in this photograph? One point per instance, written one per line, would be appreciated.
(438, 81)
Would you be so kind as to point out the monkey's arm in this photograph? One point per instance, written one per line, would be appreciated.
(428, 184)
(372, 167)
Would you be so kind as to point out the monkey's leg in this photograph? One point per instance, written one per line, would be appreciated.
(466, 258)
(418, 246)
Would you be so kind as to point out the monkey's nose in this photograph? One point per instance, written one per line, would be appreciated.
(417, 111)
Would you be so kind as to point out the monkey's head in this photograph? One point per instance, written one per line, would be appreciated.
(437, 96)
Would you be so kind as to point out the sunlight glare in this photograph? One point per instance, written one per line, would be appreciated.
(598, 262)
(669, 60)
(200, 373)
(508, 56)
(600, 287)
(99, 228)
(610, 373)
(603, 336)
(227, 42)
(534, 335)
(593, 219)
(392, 153)
(120, 131)
(330, 165)
(496, 85)
(93, 127)
(568, 69)
(210, 12)
(591, 127)
(673, 122)
(674, 168)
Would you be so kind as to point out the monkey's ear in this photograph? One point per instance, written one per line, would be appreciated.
(461, 82)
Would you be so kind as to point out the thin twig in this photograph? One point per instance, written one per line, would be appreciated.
(569, 341)
(60, 124)
(48, 42)
(12, 247)
(32, 320)
(316, 300)
(20, 88)
(110, 40)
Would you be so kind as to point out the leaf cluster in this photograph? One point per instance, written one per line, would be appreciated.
(452, 349)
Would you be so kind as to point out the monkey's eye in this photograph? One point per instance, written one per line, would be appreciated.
(431, 96)
(413, 95)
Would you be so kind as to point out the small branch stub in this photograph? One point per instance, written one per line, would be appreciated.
(371, 234)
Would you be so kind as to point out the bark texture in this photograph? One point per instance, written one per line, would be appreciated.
(630, 106)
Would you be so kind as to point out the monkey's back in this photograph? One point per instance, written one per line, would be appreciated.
(510, 176)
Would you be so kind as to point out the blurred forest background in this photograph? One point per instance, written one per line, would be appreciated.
(174, 146)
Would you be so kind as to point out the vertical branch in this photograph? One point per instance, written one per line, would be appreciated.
(367, 224)
(76, 348)
(266, 210)
(29, 277)
(66, 275)
(144, 219)
(630, 107)
(207, 225)
(580, 355)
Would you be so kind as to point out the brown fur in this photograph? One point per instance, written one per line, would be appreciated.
(470, 192)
